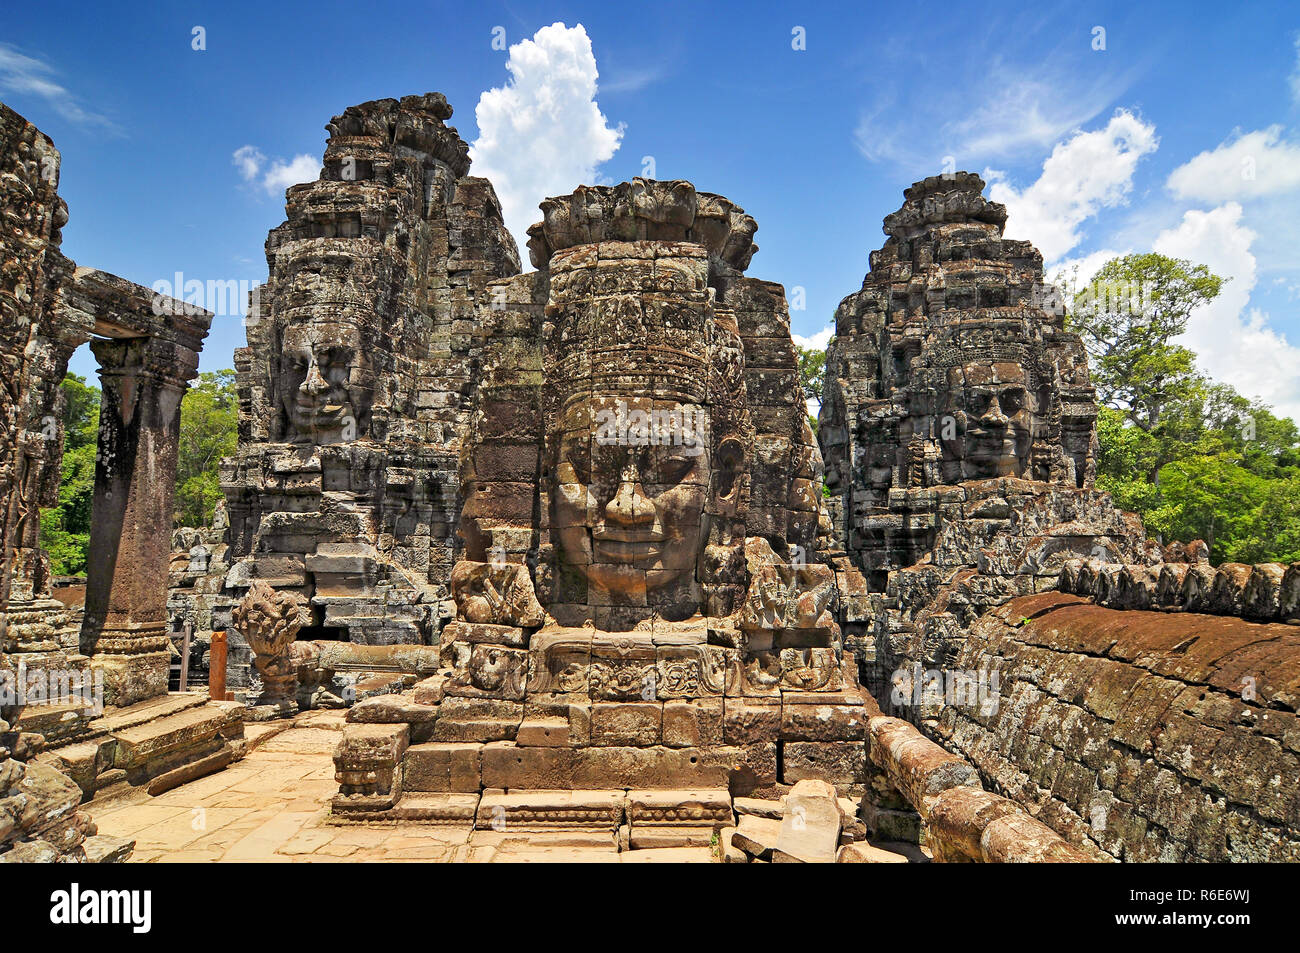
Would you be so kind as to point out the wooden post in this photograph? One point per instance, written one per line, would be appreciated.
(185, 656)
(217, 667)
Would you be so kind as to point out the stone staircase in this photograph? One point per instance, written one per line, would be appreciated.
(158, 743)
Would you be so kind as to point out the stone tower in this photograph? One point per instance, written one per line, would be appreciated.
(645, 599)
(951, 364)
(354, 387)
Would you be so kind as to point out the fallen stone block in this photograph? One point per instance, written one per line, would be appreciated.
(758, 807)
(863, 853)
(756, 836)
(810, 826)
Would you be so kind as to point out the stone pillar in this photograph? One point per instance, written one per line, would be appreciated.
(125, 627)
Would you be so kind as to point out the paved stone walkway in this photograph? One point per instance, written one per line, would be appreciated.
(273, 806)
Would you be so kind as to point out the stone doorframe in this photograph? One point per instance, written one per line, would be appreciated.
(147, 346)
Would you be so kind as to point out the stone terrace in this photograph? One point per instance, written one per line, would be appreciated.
(274, 806)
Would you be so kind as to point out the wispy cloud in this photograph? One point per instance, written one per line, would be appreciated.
(631, 80)
(23, 75)
(1017, 110)
(1294, 78)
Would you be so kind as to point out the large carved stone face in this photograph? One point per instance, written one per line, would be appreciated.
(632, 487)
(321, 383)
(993, 409)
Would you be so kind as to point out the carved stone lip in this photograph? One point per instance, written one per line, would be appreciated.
(614, 534)
(623, 547)
(313, 409)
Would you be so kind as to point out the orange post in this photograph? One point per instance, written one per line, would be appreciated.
(217, 667)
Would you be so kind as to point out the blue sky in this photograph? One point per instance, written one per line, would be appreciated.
(1182, 134)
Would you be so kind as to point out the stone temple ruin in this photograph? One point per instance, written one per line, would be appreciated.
(563, 544)
(114, 652)
(356, 383)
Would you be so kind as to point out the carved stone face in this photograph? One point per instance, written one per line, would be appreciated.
(993, 409)
(320, 384)
(632, 487)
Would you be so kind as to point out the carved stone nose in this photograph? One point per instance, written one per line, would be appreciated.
(630, 505)
(993, 417)
(314, 382)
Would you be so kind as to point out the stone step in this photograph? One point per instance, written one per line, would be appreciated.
(435, 766)
(436, 808)
(543, 809)
(58, 724)
(642, 838)
(510, 841)
(510, 766)
(147, 710)
(544, 733)
(189, 728)
(474, 730)
(668, 855)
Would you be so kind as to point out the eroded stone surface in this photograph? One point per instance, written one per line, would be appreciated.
(355, 385)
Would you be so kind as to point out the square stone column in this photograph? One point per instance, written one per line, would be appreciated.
(125, 627)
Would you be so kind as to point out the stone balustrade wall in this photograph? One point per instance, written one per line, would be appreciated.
(965, 823)
(1151, 736)
(1268, 592)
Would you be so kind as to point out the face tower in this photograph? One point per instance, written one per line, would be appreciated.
(355, 384)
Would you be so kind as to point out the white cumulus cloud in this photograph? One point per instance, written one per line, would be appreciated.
(543, 133)
(1233, 344)
(818, 341)
(1086, 173)
(1077, 272)
(279, 175)
(1253, 165)
(248, 159)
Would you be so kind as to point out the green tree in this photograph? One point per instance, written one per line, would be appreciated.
(65, 527)
(209, 431)
(1193, 457)
(812, 372)
(1213, 498)
(1128, 317)
(812, 376)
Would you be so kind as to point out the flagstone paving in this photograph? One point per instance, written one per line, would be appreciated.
(273, 807)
